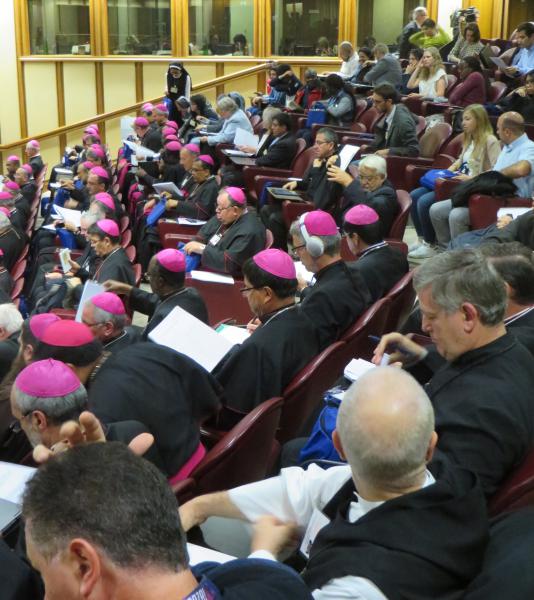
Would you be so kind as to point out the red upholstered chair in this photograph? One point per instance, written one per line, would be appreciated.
(372, 322)
(353, 127)
(171, 240)
(304, 394)
(402, 298)
(243, 455)
(17, 289)
(124, 223)
(517, 490)
(370, 118)
(398, 226)
(18, 269)
(421, 126)
(130, 253)
(497, 91)
(170, 227)
(126, 238)
(223, 300)
(483, 209)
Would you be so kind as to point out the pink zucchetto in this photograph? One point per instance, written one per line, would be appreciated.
(5, 196)
(147, 107)
(206, 158)
(67, 334)
(276, 262)
(97, 151)
(27, 168)
(47, 378)
(34, 144)
(105, 199)
(361, 215)
(88, 165)
(319, 222)
(12, 185)
(171, 259)
(13, 158)
(141, 122)
(194, 148)
(38, 323)
(168, 131)
(237, 195)
(7, 212)
(172, 124)
(109, 227)
(172, 138)
(173, 146)
(161, 108)
(100, 171)
(109, 302)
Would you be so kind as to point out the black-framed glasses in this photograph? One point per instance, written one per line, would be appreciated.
(297, 248)
(244, 290)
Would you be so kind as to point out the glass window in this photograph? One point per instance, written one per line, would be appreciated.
(305, 28)
(139, 27)
(59, 27)
(221, 27)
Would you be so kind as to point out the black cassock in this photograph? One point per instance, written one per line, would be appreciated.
(116, 265)
(166, 391)
(381, 267)
(18, 580)
(11, 242)
(334, 302)
(228, 247)
(263, 365)
(158, 308)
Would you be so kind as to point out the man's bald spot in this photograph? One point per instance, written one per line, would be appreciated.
(512, 120)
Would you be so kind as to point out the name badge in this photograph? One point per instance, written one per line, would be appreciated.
(205, 591)
(174, 90)
(317, 522)
(215, 239)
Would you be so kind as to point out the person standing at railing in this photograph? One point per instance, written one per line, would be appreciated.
(178, 84)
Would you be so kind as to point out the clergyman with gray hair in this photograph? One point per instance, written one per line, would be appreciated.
(371, 187)
(10, 324)
(479, 377)
(11, 241)
(385, 525)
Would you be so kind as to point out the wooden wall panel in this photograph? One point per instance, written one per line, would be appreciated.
(153, 80)
(51, 152)
(77, 77)
(9, 107)
(75, 137)
(119, 85)
(200, 72)
(113, 136)
(41, 97)
(245, 86)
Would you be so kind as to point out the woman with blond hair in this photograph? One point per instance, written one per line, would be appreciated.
(480, 149)
(429, 76)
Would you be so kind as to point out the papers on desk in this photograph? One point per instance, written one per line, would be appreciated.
(69, 215)
(210, 277)
(513, 211)
(168, 186)
(499, 62)
(13, 480)
(188, 335)
(236, 335)
(246, 138)
(303, 272)
(91, 288)
(348, 152)
(356, 368)
(140, 150)
(192, 222)
(231, 152)
(198, 554)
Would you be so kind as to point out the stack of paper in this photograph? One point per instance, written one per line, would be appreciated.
(210, 277)
(192, 222)
(68, 215)
(245, 138)
(357, 367)
(347, 153)
(236, 335)
(13, 480)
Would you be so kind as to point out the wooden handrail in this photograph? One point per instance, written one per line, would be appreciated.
(133, 107)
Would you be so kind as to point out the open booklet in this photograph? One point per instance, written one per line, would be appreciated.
(188, 335)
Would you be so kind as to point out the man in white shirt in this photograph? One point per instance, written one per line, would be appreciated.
(386, 540)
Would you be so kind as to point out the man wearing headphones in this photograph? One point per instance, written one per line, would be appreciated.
(338, 295)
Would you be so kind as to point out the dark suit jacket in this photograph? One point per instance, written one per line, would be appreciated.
(383, 200)
(278, 155)
(153, 140)
(401, 139)
(36, 163)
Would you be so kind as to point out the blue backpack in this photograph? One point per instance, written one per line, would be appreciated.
(319, 445)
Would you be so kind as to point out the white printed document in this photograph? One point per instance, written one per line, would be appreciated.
(184, 333)
(245, 138)
(13, 480)
(210, 277)
(234, 334)
(69, 215)
(499, 62)
(347, 153)
(168, 186)
(91, 288)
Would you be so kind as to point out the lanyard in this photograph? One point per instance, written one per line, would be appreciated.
(102, 263)
(205, 590)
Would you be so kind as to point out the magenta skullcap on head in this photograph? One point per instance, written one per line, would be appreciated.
(141, 122)
(168, 131)
(94, 126)
(1, 251)
(38, 323)
(109, 302)
(173, 146)
(361, 215)
(12, 185)
(105, 199)
(147, 107)
(88, 165)
(276, 262)
(171, 259)
(13, 158)
(108, 226)
(319, 222)
(67, 334)
(5, 196)
(162, 108)
(172, 125)
(206, 158)
(47, 378)
(172, 138)
(101, 172)
(195, 148)
(7, 212)
(237, 195)
(34, 144)
(27, 168)
(97, 151)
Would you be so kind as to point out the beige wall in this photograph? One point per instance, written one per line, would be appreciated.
(9, 105)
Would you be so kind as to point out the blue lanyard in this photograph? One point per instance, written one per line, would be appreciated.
(205, 590)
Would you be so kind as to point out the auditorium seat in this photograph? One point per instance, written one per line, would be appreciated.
(483, 209)
(398, 227)
(305, 393)
(517, 490)
(244, 454)
(18, 269)
(126, 238)
(402, 298)
(17, 289)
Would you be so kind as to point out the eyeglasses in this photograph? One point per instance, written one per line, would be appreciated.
(367, 177)
(221, 208)
(319, 143)
(244, 290)
(91, 324)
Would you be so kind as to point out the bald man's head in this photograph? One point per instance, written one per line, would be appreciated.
(385, 426)
(510, 126)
